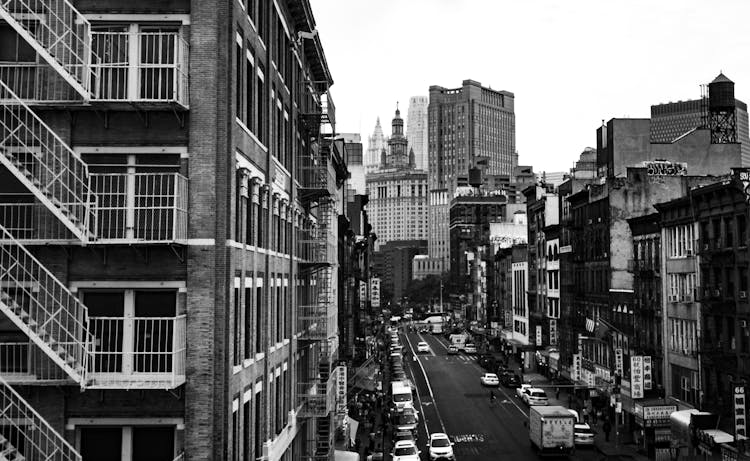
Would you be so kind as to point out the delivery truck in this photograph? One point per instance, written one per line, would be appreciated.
(551, 430)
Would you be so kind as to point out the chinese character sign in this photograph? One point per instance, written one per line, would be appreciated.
(636, 376)
(576, 367)
(618, 362)
(375, 292)
(553, 332)
(647, 372)
(740, 422)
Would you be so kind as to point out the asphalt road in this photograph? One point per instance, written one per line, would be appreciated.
(451, 399)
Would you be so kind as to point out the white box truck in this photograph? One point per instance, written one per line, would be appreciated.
(551, 430)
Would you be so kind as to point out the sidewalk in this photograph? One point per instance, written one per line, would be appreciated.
(624, 449)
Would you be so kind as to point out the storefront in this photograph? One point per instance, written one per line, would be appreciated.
(653, 421)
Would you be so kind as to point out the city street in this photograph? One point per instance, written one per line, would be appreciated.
(451, 399)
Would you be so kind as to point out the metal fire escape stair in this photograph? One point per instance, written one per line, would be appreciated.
(59, 34)
(26, 435)
(30, 295)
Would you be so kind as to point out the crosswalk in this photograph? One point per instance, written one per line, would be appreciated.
(450, 358)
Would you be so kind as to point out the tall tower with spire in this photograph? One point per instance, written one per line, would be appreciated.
(375, 145)
(397, 205)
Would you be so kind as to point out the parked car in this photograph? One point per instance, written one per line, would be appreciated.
(423, 347)
(452, 350)
(535, 396)
(440, 447)
(470, 348)
(405, 450)
(583, 435)
(489, 379)
(521, 389)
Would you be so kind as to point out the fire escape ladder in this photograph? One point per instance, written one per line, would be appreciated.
(59, 34)
(45, 164)
(44, 309)
(26, 436)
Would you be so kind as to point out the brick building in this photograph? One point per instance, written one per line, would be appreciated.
(171, 186)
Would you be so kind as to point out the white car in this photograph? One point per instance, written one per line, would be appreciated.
(405, 450)
(423, 347)
(535, 396)
(521, 390)
(583, 435)
(489, 379)
(440, 447)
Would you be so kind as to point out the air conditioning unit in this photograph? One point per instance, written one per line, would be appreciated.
(743, 294)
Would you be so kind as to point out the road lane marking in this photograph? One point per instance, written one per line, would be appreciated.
(422, 415)
(429, 387)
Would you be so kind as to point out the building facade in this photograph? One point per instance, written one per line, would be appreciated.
(397, 192)
(181, 230)
(416, 130)
(471, 127)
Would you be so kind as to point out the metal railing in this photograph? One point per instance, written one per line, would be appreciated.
(157, 71)
(45, 164)
(43, 308)
(26, 433)
(138, 352)
(129, 208)
(26, 363)
(60, 35)
(141, 207)
(317, 398)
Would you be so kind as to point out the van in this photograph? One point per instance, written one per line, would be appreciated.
(401, 395)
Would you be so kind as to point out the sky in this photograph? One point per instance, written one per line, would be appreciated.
(570, 63)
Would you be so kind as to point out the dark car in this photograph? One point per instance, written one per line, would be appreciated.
(511, 380)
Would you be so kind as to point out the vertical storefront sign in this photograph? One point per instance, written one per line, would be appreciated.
(740, 422)
(647, 372)
(636, 376)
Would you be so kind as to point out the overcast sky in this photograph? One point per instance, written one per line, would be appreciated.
(570, 63)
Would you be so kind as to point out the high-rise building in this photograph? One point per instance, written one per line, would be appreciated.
(471, 127)
(171, 183)
(397, 192)
(376, 143)
(416, 129)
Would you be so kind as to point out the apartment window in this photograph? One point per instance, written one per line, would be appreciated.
(246, 436)
(257, 408)
(248, 322)
(262, 115)
(236, 329)
(249, 88)
(259, 314)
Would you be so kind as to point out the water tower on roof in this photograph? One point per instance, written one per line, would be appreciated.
(722, 110)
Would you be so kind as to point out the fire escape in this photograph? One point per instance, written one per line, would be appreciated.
(316, 315)
(64, 343)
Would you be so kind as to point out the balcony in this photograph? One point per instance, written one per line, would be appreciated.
(144, 69)
(138, 352)
(131, 208)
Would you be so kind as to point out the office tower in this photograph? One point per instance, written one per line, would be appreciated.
(416, 129)
(471, 127)
(397, 192)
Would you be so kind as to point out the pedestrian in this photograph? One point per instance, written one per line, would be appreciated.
(607, 427)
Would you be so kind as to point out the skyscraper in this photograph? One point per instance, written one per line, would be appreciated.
(416, 129)
(471, 127)
(375, 145)
(397, 205)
